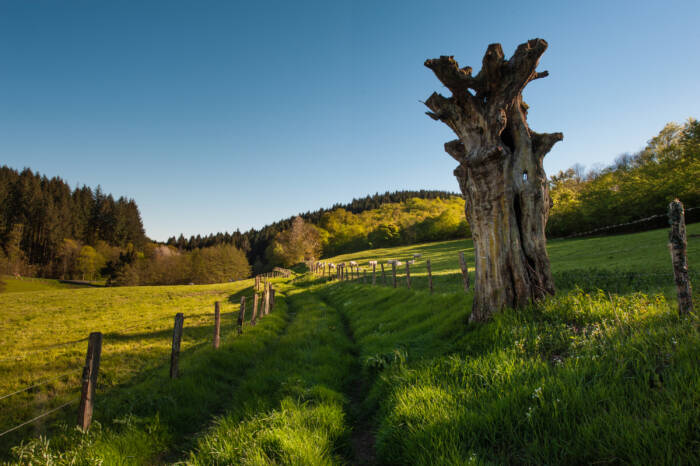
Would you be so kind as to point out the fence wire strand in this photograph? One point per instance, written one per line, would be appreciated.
(35, 385)
(39, 417)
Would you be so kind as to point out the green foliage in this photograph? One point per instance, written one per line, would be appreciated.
(47, 212)
(299, 243)
(165, 265)
(635, 187)
(413, 221)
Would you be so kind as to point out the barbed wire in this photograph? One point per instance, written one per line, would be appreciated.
(38, 417)
(633, 222)
(35, 385)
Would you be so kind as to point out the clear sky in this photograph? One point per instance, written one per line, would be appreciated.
(222, 115)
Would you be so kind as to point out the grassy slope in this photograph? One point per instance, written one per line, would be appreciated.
(580, 378)
(9, 284)
(44, 333)
(607, 261)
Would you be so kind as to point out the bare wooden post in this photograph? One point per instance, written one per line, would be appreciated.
(393, 272)
(374, 274)
(272, 298)
(408, 275)
(267, 299)
(241, 315)
(677, 244)
(364, 276)
(383, 274)
(217, 325)
(90, 370)
(177, 338)
(430, 275)
(465, 271)
(254, 317)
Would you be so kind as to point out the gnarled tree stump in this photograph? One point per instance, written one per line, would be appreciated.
(500, 173)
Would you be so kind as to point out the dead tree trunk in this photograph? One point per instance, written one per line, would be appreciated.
(500, 173)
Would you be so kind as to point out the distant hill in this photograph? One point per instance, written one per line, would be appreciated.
(254, 242)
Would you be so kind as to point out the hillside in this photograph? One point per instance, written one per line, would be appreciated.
(351, 373)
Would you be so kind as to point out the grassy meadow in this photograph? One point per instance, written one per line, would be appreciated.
(348, 373)
(10, 284)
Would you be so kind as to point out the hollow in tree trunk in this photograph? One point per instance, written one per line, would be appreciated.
(500, 173)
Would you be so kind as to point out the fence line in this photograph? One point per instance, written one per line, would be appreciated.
(608, 227)
(38, 417)
(93, 358)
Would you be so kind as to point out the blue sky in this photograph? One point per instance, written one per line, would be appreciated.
(222, 115)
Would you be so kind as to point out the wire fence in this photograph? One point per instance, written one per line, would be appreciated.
(142, 324)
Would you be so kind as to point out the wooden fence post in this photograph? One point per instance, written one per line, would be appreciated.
(408, 276)
(393, 272)
(374, 274)
(254, 317)
(272, 298)
(677, 244)
(217, 325)
(241, 315)
(267, 299)
(383, 274)
(177, 338)
(364, 276)
(430, 275)
(90, 370)
(465, 271)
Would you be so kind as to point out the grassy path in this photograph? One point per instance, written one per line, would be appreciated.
(291, 408)
(362, 451)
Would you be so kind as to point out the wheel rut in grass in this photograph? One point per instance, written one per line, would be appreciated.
(362, 440)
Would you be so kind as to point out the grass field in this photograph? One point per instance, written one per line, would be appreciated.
(46, 334)
(613, 263)
(10, 284)
(346, 373)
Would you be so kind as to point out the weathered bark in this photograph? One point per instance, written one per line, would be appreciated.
(678, 246)
(500, 173)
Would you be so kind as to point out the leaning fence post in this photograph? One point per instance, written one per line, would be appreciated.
(430, 275)
(465, 271)
(90, 370)
(408, 275)
(217, 325)
(393, 272)
(254, 317)
(383, 274)
(678, 246)
(177, 338)
(241, 315)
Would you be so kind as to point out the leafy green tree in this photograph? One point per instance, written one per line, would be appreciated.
(301, 242)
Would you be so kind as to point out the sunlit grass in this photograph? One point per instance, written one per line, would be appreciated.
(44, 335)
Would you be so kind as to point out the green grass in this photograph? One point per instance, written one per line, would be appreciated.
(45, 335)
(294, 408)
(617, 264)
(10, 284)
(587, 376)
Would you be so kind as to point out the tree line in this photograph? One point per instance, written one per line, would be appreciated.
(45, 226)
(256, 242)
(49, 230)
